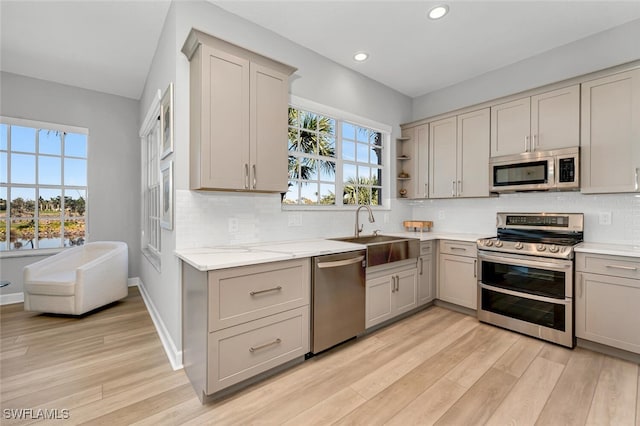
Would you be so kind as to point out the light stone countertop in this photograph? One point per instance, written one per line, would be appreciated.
(221, 257)
(610, 249)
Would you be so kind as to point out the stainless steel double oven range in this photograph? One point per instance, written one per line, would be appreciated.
(525, 279)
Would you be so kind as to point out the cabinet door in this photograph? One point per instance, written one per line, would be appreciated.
(555, 119)
(510, 127)
(473, 154)
(268, 129)
(457, 280)
(224, 151)
(426, 290)
(607, 310)
(405, 296)
(610, 143)
(378, 307)
(442, 166)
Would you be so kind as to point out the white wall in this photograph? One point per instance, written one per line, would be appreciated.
(602, 50)
(113, 164)
(613, 47)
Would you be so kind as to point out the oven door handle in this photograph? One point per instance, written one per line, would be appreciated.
(525, 295)
(519, 261)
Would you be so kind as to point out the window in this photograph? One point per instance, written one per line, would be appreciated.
(150, 137)
(43, 185)
(329, 155)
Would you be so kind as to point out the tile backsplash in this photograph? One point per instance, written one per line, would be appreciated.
(221, 218)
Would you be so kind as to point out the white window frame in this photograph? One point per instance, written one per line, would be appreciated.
(151, 232)
(343, 116)
(43, 125)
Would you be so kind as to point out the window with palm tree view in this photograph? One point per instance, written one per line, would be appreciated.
(329, 156)
(43, 185)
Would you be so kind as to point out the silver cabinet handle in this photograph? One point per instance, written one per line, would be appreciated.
(637, 183)
(337, 263)
(459, 248)
(626, 268)
(475, 268)
(246, 176)
(580, 287)
(426, 190)
(526, 143)
(421, 266)
(253, 293)
(255, 179)
(459, 188)
(266, 345)
(453, 188)
(393, 284)
(397, 283)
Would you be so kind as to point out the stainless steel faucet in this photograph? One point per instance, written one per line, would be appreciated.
(371, 219)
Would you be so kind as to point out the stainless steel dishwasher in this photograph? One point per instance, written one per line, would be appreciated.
(337, 299)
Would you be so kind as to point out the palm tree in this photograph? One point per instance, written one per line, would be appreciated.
(310, 134)
(357, 191)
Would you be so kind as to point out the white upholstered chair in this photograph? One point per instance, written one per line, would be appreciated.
(78, 279)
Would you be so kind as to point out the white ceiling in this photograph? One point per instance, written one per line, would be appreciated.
(108, 46)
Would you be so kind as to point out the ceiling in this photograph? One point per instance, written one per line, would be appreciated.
(108, 46)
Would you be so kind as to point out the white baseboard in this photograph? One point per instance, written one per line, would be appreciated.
(8, 299)
(133, 282)
(175, 356)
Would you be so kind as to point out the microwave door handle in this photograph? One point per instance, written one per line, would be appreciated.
(552, 172)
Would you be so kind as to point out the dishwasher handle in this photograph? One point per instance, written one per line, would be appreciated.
(338, 263)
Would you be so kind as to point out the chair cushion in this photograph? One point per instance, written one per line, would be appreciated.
(55, 284)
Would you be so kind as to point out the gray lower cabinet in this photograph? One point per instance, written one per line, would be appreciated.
(391, 291)
(607, 300)
(457, 273)
(240, 322)
(426, 279)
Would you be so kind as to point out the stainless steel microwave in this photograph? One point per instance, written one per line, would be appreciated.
(557, 170)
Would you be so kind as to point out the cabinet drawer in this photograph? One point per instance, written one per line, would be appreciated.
(617, 266)
(239, 295)
(459, 248)
(241, 352)
(426, 247)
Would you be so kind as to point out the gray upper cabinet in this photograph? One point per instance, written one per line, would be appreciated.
(413, 159)
(238, 117)
(542, 122)
(611, 134)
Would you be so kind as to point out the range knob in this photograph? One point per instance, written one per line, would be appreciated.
(553, 249)
(498, 243)
(541, 247)
(518, 246)
(489, 243)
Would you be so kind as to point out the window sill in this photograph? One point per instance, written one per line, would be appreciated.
(326, 208)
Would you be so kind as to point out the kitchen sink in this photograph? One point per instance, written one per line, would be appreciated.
(383, 249)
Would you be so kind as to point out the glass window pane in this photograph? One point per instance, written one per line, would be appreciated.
(349, 174)
(23, 168)
(328, 126)
(75, 145)
(364, 195)
(376, 176)
(49, 203)
(294, 115)
(294, 167)
(23, 202)
(291, 197)
(327, 194)
(23, 139)
(309, 193)
(3, 203)
(327, 170)
(348, 151)
(294, 136)
(74, 202)
(49, 170)
(49, 142)
(363, 153)
(349, 195)
(3, 234)
(376, 156)
(348, 131)
(75, 172)
(309, 120)
(327, 145)
(74, 232)
(3, 136)
(364, 175)
(376, 196)
(22, 234)
(49, 233)
(362, 134)
(3, 168)
(308, 142)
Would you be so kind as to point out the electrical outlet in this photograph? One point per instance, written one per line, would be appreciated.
(604, 218)
(441, 214)
(233, 224)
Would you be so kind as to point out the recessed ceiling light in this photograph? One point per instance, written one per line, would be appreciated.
(361, 56)
(438, 12)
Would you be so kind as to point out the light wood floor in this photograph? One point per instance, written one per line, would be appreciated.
(436, 367)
